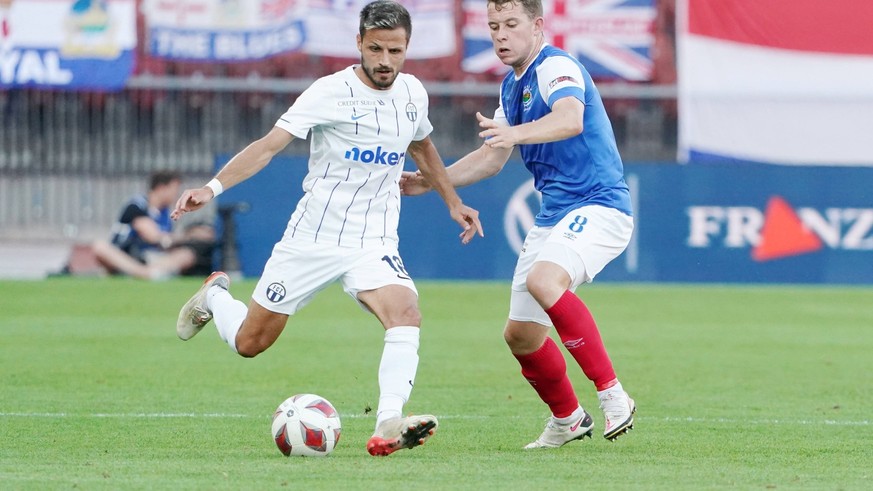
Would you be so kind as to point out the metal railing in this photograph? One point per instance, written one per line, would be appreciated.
(69, 160)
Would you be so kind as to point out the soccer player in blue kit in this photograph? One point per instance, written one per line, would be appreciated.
(550, 108)
(363, 121)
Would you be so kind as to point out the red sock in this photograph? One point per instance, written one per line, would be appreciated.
(546, 371)
(580, 336)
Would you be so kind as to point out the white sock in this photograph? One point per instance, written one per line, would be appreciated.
(615, 388)
(571, 418)
(397, 371)
(227, 312)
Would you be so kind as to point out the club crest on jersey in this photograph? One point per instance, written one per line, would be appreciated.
(275, 292)
(526, 98)
(411, 112)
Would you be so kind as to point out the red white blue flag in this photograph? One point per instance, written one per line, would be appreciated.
(777, 81)
(612, 38)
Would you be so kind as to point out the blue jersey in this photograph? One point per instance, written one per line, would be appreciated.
(125, 237)
(583, 170)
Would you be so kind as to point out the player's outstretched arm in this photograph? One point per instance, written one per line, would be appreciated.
(434, 172)
(243, 165)
(482, 163)
(564, 121)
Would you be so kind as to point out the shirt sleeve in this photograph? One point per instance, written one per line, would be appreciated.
(131, 212)
(312, 108)
(499, 115)
(425, 127)
(559, 76)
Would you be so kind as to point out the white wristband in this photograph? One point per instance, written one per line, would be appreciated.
(215, 186)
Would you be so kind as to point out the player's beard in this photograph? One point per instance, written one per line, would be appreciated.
(373, 72)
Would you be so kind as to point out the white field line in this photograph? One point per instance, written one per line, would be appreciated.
(669, 419)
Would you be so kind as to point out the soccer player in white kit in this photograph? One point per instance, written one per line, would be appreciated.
(551, 110)
(363, 120)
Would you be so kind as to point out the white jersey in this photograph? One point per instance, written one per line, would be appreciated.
(358, 147)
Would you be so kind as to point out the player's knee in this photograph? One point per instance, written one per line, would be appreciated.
(535, 285)
(511, 338)
(409, 316)
(185, 258)
(250, 347)
(540, 285)
(99, 248)
(525, 338)
(544, 289)
(516, 340)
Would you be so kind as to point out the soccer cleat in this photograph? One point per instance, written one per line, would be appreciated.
(195, 314)
(398, 433)
(556, 434)
(618, 410)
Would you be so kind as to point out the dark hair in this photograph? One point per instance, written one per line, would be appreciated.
(385, 14)
(162, 177)
(534, 8)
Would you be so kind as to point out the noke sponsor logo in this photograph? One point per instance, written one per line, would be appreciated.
(377, 156)
(780, 230)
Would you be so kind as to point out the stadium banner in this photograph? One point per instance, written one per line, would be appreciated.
(59, 44)
(719, 223)
(782, 82)
(612, 38)
(332, 27)
(222, 31)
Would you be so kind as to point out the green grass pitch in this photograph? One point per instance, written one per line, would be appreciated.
(737, 387)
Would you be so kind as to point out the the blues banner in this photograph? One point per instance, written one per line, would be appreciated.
(222, 31)
(612, 38)
(717, 223)
(225, 31)
(66, 44)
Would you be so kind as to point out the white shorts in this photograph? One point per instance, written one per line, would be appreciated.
(297, 270)
(582, 243)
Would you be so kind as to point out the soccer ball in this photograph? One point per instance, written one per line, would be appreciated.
(306, 425)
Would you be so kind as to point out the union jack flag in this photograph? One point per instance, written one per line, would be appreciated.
(612, 38)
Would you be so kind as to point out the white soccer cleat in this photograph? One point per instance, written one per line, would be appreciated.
(618, 411)
(556, 434)
(399, 433)
(195, 314)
